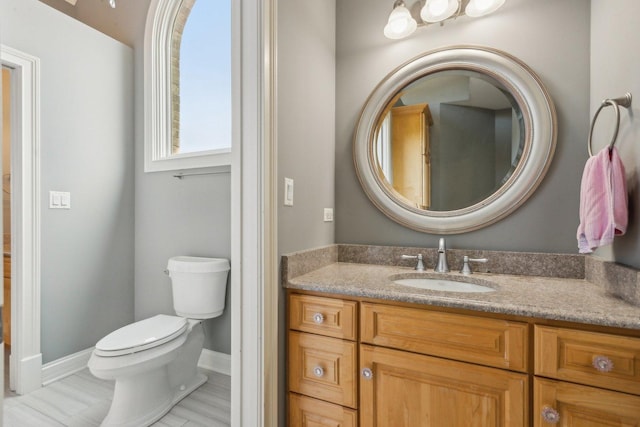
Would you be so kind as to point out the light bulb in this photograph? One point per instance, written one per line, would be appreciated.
(112, 3)
(400, 24)
(477, 8)
(438, 10)
(437, 7)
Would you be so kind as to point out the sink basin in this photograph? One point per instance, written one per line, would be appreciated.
(443, 285)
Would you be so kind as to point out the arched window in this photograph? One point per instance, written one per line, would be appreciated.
(187, 84)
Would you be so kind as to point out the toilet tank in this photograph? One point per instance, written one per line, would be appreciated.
(199, 286)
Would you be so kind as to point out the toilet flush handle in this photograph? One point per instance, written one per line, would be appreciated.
(166, 271)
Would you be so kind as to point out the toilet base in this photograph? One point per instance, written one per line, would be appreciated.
(120, 414)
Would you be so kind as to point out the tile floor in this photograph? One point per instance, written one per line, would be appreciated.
(81, 400)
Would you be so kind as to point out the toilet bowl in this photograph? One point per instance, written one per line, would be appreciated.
(154, 361)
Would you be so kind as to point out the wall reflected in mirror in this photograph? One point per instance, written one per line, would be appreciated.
(449, 140)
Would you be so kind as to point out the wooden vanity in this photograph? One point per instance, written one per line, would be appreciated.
(357, 361)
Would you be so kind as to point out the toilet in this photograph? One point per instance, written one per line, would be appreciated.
(154, 361)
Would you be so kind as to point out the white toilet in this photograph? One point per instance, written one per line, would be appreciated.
(154, 361)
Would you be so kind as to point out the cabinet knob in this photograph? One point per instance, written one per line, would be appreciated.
(602, 364)
(367, 373)
(550, 415)
(318, 371)
(318, 318)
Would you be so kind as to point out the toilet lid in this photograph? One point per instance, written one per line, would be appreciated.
(141, 335)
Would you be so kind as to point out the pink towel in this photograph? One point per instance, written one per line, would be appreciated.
(603, 201)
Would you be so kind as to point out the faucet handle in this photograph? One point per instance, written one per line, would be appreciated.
(419, 265)
(466, 269)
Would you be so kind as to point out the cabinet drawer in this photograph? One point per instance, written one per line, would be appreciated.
(308, 412)
(324, 316)
(573, 355)
(323, 367)
(490, 342)
(581, 406)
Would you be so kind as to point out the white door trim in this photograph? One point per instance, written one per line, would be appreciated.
(254, 328)
(26, 359)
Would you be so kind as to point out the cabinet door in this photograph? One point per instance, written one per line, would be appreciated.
(572, 405)
(402, 389)
(308, 412)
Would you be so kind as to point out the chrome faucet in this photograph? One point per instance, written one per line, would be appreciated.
(419, 265)
(442, 266)
(466, 269)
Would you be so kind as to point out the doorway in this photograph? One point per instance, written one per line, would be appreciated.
(6, 221)
(25, 361)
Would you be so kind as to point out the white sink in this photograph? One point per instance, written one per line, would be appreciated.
(443, 285)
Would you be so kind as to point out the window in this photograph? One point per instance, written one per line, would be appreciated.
(187, 85)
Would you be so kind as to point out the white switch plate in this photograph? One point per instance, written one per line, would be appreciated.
(288, 192)
(59, 200)
(328, 214)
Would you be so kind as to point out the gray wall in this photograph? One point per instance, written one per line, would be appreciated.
(558, 52)
(306, 121)
(174, 217)
(306, 134)
(87, 149)
(463, 158)
(615, 70)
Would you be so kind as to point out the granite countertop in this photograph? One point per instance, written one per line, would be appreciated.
(568, 299)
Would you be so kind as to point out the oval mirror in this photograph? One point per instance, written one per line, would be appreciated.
(455, 139)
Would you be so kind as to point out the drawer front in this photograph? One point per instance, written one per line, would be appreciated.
(308, 412)
(571, 405)
(592, 358)
(490, 342)
(325, 316)
(323, 367)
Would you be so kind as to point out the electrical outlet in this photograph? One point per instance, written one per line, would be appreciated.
(328, 214)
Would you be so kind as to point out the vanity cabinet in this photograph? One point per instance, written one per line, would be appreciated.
(379, 363)
(322, 361)
(590, 378)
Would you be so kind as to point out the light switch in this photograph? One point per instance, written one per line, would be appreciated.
(65, 200)
(288, 192)
(59, 200)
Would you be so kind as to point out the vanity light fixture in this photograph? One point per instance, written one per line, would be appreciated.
(401, 24)
(439, 10)
(477, 8)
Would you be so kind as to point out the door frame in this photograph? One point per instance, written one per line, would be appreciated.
(254, 279)
(26, 357)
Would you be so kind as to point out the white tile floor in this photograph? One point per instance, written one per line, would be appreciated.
(81, 400)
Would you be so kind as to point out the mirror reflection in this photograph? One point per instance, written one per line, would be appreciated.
(448, 140)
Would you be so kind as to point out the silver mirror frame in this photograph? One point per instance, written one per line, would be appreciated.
(540, 128)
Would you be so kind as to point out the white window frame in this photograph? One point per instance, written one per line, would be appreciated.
(157, 97)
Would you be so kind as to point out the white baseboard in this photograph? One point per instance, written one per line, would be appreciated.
(28, 371)
(215, 361)
(65, 366)
(68, 365)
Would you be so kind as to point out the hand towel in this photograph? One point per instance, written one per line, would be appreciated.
(603, 201)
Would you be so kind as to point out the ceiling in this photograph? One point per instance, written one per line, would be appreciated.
(125, 23)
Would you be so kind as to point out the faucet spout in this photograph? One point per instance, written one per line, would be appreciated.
(442, 266)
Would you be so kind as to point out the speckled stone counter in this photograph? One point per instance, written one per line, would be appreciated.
(574, 299)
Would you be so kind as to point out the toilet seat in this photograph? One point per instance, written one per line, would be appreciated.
(141, 335)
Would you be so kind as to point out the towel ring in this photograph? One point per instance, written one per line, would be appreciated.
(624, 101)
